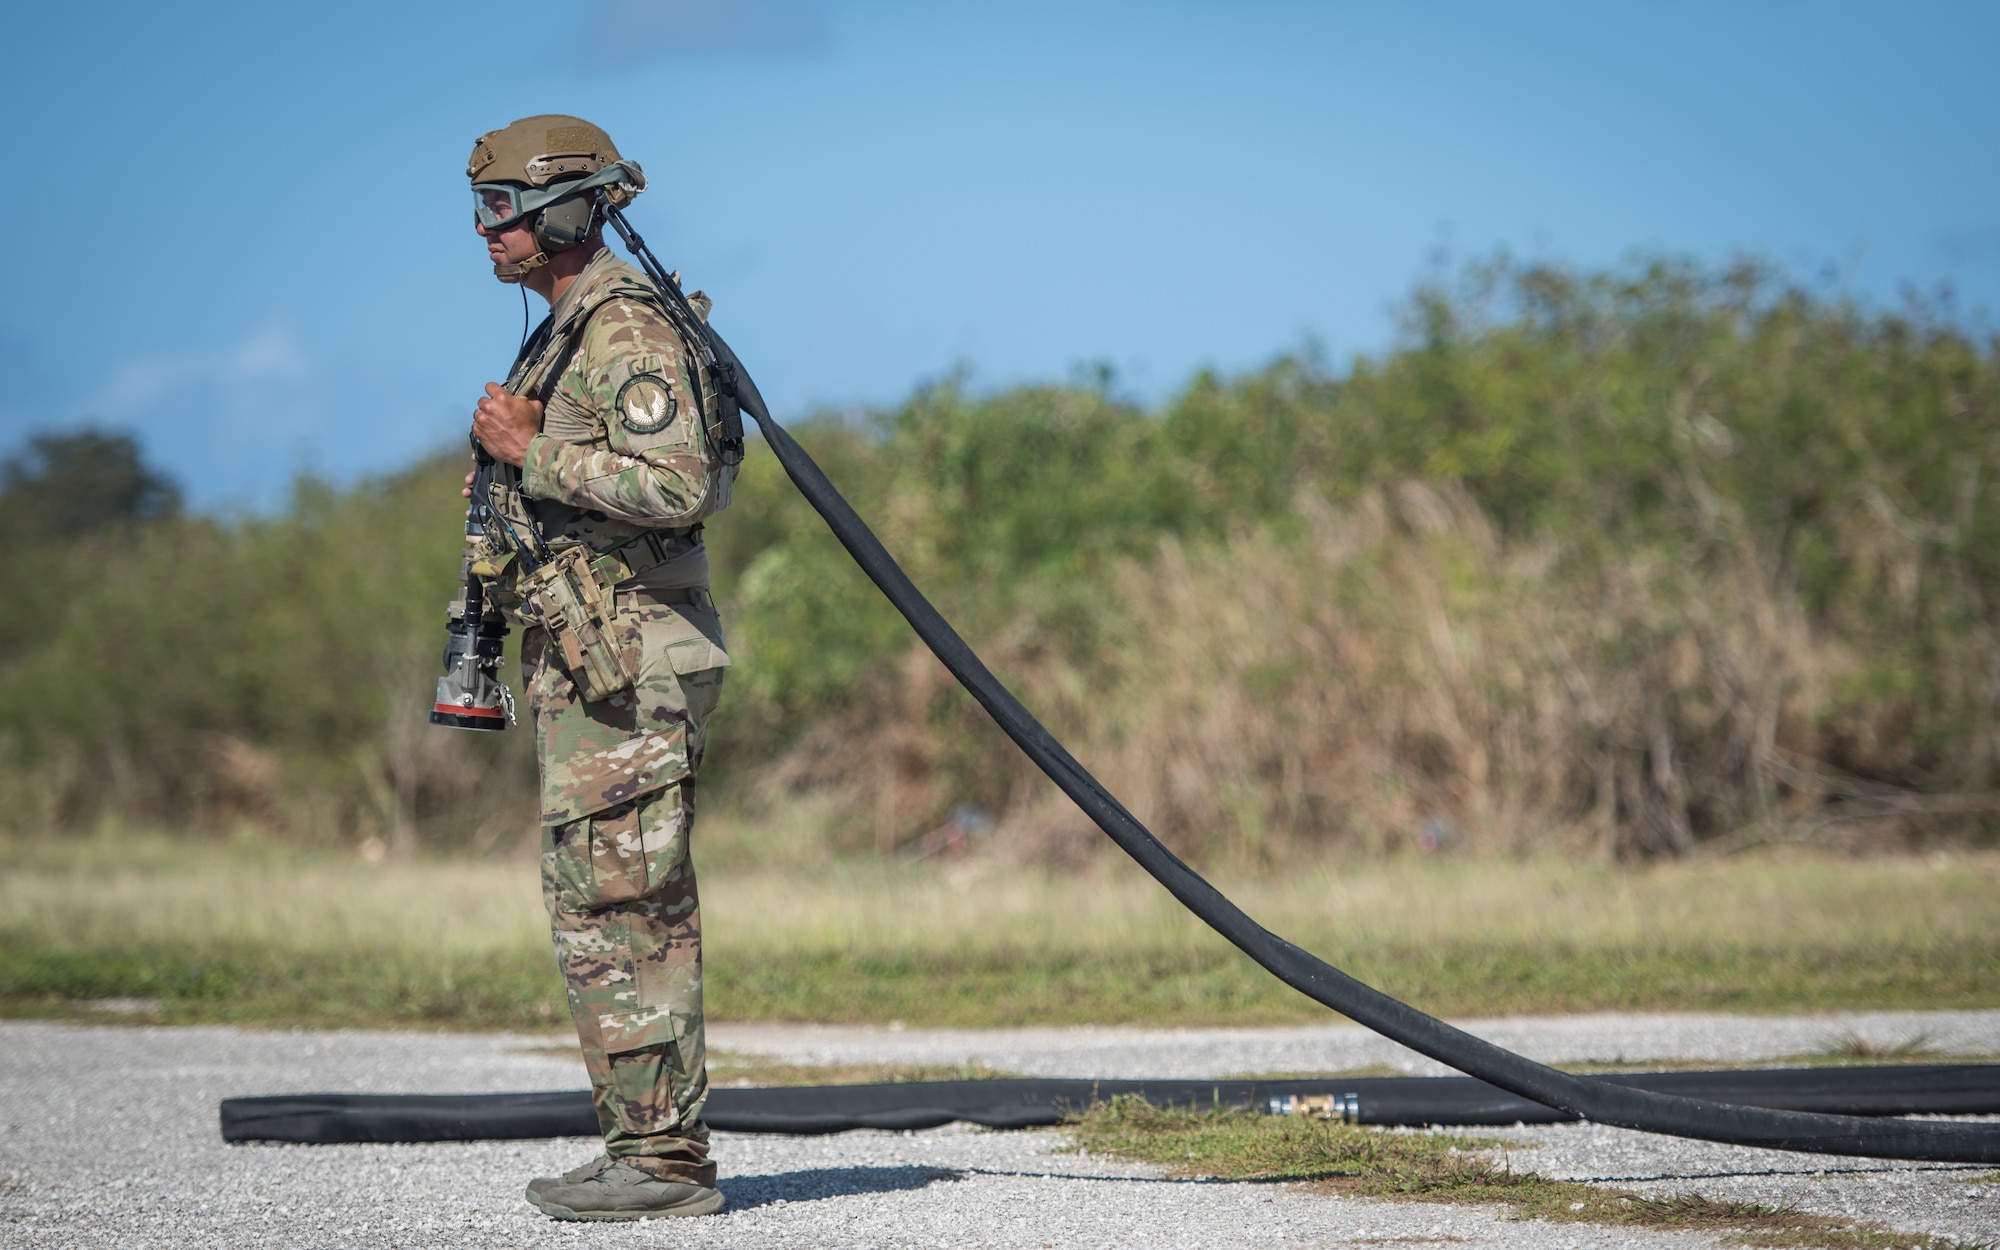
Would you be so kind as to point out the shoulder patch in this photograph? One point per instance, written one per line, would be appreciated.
(645, 404)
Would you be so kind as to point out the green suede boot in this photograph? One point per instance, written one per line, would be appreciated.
(605, 1189)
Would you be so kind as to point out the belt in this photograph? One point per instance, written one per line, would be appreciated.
(641, 555)
(679, 597)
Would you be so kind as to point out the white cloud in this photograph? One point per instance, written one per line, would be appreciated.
(232, 423)
(269, 354)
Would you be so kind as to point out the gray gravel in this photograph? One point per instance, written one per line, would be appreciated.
(1941, 1199)
(108, 1138)
(1200, 1053)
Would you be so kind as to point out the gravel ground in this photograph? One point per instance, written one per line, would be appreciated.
(1198, 1053)
(108, 1138)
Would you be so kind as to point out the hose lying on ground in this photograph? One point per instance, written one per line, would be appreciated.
(1027, 1102)
(1584, 1097)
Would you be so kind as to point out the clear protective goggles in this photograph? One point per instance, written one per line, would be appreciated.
(498, 205)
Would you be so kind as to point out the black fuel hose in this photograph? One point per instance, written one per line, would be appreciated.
(1583, 1097)
(1580, 1096)
(1304, 972)
(1025, 1102)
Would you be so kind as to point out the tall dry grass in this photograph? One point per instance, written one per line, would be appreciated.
(1394, 675)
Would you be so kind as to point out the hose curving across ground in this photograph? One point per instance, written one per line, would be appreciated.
(1586, 1098)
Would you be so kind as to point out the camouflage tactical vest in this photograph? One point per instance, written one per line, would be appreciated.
(631, 464)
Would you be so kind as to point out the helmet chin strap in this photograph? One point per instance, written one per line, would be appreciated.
(514, 271)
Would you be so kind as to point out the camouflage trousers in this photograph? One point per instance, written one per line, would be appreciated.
(618, 802)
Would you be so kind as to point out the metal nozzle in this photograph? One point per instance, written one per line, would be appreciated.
(471, 695)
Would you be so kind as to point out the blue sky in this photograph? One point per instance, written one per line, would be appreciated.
(242, 232)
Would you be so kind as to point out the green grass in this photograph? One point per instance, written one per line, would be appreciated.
(1436, 1167)
(252, 932)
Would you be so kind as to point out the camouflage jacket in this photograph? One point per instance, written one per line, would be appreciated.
(625, 450)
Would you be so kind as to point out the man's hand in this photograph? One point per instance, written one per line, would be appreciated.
(505, 423)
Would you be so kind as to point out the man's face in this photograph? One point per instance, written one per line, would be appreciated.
(510, 244)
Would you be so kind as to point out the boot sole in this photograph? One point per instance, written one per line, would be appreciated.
(708, 1204)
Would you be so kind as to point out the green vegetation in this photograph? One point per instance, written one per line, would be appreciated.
(1433, 1167)
(260, 932)
(1626, 563)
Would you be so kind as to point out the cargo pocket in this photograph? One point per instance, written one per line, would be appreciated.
(593, 782)
(688, 638)
(644, 1089)
(682, 680)
(653, 1055)
(616, 820)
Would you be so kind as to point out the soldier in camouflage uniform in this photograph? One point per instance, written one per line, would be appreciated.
(603, 416)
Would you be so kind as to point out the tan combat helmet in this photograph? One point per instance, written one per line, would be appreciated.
(544, 167)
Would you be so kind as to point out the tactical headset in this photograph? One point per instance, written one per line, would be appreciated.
(565, 223)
